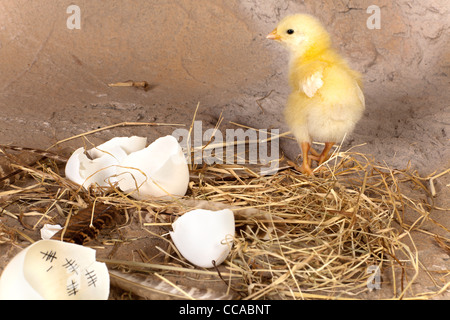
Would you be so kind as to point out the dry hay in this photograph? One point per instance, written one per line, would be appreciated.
(297, 237)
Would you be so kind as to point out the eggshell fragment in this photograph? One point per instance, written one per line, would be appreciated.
(49, 230)
(98, 165)
(72, 169)
(160, 170)
(202, 236)
(55, 270)
(127, 144)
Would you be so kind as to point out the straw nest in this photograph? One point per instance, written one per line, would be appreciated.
(297, 237)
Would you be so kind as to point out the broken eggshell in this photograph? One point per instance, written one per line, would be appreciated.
(49, 230)
(160, 170)
(55, 270)
(98, 165)
(203, 236)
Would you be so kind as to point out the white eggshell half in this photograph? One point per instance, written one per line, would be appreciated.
(100, 167)
(160, 170)
(202, 236)
(55, 270)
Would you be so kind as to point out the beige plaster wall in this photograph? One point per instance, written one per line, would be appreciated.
(53, 80)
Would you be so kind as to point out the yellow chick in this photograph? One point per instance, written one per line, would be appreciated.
(326, 99)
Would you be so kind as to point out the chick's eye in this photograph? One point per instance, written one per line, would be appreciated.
(290, 31)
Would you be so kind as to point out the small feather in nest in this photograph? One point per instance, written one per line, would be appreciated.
(39, 152)
(22, 157)
(263, 225)
(86, 225)
(153, 287)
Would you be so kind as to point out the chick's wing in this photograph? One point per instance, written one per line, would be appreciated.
(312, 84)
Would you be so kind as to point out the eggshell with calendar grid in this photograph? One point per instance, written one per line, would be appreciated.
(55, 270)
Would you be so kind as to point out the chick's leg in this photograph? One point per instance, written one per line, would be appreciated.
(306, 168)
(314, 153)
(324, 155)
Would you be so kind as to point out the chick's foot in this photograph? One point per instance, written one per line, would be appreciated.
(304, 168)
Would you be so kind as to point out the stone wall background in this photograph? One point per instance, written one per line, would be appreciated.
(53, 80)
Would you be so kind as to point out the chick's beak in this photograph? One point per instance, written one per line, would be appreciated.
(274, 35)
